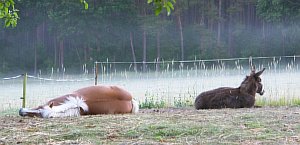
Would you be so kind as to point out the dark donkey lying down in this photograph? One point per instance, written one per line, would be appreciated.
(225, 97)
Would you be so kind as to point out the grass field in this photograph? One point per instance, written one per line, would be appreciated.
(268, 125)
(171, 119)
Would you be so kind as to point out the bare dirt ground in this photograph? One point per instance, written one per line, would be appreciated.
(268, 125)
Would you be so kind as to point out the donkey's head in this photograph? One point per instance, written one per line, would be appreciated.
(252, 83)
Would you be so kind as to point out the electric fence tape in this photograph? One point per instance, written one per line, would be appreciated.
(48, 79)
(10, 78)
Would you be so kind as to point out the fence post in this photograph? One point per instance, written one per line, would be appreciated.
(96, 72)
(250, 63)
(24, 90)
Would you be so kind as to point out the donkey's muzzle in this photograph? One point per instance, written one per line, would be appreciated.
(261, 92)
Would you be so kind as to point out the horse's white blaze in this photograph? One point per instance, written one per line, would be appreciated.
(71, 107)
(135, 106)
(26, 110)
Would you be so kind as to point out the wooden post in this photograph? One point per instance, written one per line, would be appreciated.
(250, 62)
(96, 73)
(24, 90)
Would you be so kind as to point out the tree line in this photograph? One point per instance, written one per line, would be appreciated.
(64, 34)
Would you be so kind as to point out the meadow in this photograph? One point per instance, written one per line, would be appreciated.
(174, 85)
(167, 115)
(267, 125)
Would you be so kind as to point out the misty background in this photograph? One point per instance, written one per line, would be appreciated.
(54, 35)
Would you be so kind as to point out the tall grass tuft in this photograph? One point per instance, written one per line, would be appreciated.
(150, 103)
(183, 102)
(282, 101)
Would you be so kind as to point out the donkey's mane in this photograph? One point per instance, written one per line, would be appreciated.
(247, 85)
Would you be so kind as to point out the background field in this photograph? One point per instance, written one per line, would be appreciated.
(174, 85)
(170, 94)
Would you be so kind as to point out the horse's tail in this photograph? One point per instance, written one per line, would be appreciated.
(135, 106)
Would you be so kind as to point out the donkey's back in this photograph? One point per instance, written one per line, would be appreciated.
(224, 97)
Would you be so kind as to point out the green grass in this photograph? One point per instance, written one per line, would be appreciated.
(155, 101)
(11, 111)
(181, 102)
(282, 101)
(152, 103)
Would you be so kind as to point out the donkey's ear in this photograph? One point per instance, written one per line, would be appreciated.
(252, 70)
(259, 73)
(51, 105)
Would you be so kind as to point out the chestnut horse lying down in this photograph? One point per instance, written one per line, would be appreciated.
(86, 101)
(225, 97)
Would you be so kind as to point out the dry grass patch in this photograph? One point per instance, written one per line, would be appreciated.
(160, 126)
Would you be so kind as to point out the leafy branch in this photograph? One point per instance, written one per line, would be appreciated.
(86, 5)
(8, 13)
(160, 4)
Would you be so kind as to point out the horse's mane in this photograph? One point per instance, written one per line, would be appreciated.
(70, 107)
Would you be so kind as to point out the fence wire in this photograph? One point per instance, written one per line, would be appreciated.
(48, 79)
(196, 60)
(14, 77)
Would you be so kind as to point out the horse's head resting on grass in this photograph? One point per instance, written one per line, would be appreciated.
(226, 97)
(86, 101)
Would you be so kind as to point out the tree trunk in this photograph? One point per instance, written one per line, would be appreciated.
(231, 50)
(35, 60)
(43, 33)
(133, 52)
(98, 47)
(78, 55)
(219, 23)
(158, 51)
(181, 38)
(40, 37)
(55, 50)
(283, 34)
(262, 50)
(26, 44)
(211, 22)
(144, 50)
(2, 59)
(35, 49)
(85, 53)
(61, 55)
(201, 32)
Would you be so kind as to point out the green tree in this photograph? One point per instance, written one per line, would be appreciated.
(8, 13)
(279, 10)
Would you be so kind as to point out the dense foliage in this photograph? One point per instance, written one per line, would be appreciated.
(63, 33)
(8, 13)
